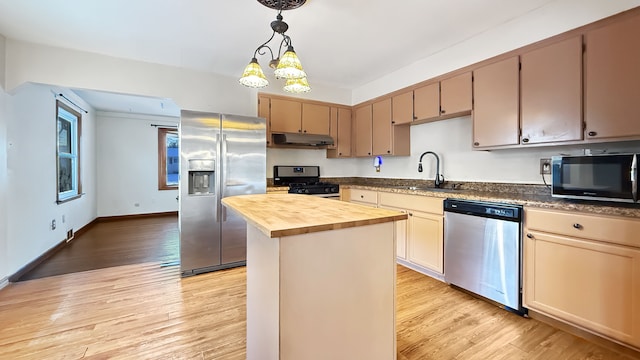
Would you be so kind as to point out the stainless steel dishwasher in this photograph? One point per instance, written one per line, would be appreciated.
(483, 250)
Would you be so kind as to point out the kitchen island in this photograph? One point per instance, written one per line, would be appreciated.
(321, 278)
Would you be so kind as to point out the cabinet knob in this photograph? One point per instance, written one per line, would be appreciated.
(369, 153)
(525, 140)
(304, 131)
(415, 117)
(592, 133)
(340, 154)
(388, 151)
(442, 111)
(476, 144)
(410, 214)
(361, 196)
(577, 226)
(393, 122)
(299, 130)
(530, 236)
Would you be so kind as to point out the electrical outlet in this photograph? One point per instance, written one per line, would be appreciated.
(53, 224)
(545, 166)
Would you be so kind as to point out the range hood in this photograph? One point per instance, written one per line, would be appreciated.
(302, 139)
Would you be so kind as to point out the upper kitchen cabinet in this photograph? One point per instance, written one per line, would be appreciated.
(495, 113)
(456, 95)
(448, 98)
(386, 138)
(286, 116)
(264, 106)
(292, 116)
(315, 119)
(612, 80)
(551, 93)
(426, 101)
(402, 108)
(363, 131)
(382, 127)
(340, 131)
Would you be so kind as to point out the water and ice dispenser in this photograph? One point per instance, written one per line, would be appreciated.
(202, 176)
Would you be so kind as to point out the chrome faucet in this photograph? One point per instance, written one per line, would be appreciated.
(439, 178)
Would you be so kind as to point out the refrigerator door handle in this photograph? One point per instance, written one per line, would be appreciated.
(219, 187)
(223, 177)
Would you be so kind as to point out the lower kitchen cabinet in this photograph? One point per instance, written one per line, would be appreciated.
(363, 197)
(585, 270)
(423, 239)
(400, 233)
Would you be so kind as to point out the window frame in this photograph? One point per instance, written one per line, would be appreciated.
(74, 118)
(162, 158)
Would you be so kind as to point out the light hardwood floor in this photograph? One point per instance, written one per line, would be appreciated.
(146, 311)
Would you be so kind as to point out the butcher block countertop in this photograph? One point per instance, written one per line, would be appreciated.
(278, 215)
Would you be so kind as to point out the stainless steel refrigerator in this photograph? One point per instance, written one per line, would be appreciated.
(220, 155)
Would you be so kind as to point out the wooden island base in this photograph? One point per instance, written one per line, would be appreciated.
(320, 294)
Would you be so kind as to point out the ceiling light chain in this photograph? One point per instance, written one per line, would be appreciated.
(286, 67)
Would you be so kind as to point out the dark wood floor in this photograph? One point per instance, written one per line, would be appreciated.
(115, 243)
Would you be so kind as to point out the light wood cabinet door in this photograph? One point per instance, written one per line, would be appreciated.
(402, 107)
(425, 240)
(382, 128)
(344, 132)
(264, 111)
(551, 93)
(426, 101)
(286, 116)
(315, 119)
(495, 113)
(594, 285)
(612, 80)
(456, 94)
(400, 233)
(340, 131)
(333, 128)
(363, 127)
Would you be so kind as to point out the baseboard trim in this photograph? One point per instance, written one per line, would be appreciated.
(37, 261)
(30, 266)
(136, 216)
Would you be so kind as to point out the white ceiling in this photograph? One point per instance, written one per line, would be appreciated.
(341, 43)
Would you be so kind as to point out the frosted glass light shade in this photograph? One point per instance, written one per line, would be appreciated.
(297, 86)
(289, 66)
(253, 76)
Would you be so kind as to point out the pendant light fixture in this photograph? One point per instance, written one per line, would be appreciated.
(288, 66)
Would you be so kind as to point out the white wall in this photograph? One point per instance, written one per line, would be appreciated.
(31, 167)
(189, 89)
(553, 18)
(4, 258)
(3, 52)
(127, 158)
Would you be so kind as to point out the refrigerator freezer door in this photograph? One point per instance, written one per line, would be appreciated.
(199, 213)
(243, 159)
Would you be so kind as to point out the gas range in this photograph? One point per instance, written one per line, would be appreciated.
(304, 180)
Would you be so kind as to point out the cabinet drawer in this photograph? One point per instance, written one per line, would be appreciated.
(364, 196)
(412, 202)
(610, 229)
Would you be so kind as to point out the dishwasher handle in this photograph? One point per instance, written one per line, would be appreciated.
(491, 210)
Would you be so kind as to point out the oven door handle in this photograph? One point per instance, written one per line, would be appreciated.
(634, 177)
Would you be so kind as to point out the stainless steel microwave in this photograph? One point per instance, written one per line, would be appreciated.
(596, 177)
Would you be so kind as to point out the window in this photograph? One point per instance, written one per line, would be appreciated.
(168, 155)
(69, 124)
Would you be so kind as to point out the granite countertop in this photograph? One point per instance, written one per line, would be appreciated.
(519, 198)
(278, 215)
